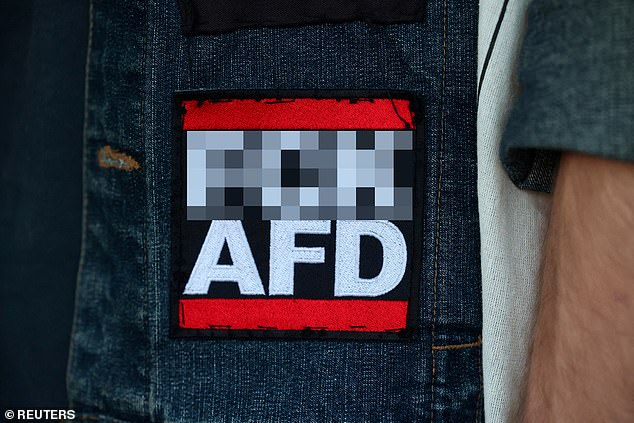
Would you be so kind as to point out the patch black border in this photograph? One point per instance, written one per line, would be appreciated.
(177, 210)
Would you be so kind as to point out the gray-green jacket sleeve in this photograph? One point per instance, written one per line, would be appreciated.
(577, 88)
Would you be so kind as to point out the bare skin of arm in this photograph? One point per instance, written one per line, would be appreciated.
(582, 360)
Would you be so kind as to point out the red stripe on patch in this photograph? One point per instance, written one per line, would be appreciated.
(300, 113)
(293, 314)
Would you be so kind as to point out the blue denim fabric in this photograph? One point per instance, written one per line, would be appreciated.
(123, 365)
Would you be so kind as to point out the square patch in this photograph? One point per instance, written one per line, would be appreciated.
(296, 214)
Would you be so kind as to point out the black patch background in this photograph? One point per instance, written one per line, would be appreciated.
(312, 280)
(188, 236)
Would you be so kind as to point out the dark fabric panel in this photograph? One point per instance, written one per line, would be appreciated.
(209, 17)
(42, 45)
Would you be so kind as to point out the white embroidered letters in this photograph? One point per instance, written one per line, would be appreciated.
(284, 254)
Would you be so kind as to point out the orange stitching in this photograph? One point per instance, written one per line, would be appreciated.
(476, 343)
(438, 197)
(108, 157)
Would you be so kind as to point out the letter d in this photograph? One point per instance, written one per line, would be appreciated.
(347, 261)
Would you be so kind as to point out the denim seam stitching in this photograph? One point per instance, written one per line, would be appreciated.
(475, 343)
(84, 217)
(480, 392)
(438, 207)
(146, 311)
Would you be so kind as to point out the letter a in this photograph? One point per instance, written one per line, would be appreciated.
(207, 270)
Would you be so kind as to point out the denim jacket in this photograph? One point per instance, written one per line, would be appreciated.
(124, 366)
